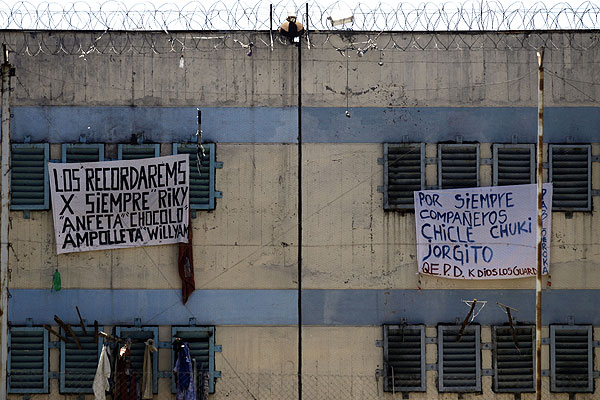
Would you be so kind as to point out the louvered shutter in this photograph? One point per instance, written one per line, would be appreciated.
(514, 164)
(459, 363)
(202, 175)
(28, 360)
(571, 177)
(571, 357)
(514, 366)
(138, 151)
(458, 166)
(138, 347)
(78, 367)
(82, 152)
(404, 358)
(29, 176)
(404, 173)
(202, 349)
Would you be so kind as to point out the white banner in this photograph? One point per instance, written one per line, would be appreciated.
(482, 233)
(118, 204)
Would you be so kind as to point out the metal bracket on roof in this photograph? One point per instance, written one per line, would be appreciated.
(545, 372)
(27, 139)
(515, 139)
(219, 164)
(379, 373)
(218, 194)
(545, 165)
(595, 158)
(380, 161)
(82, 139)
(218, 348)
(487, 346)
(54, 375)
(487, 372)
(216, 374)
(595, 192)
(137, 322)
(379, 343)
(486, 161)
(380, 189)
(431, 367)
(596, 374)
(596, 343)
(53, 345)
(430, 340)
(192, 321)
(430, 160)
(570, 320)
(163, 345)
(459, 139)
(26, 214)
(545, 340)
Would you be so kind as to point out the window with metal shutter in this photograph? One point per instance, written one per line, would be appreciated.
(78, 367)
(29, 176)
(571, 358)
(514, 164)
(514, 368)
(458, 166)
(459, 362)
(138, 151)
(202, 174)
(571, 177)
(82, 152)
(201, 342)
(141, 334)
(404, 358)
(28, 360)
(404, 172)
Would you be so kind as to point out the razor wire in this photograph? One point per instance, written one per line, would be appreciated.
(238, 15)
(115, 27)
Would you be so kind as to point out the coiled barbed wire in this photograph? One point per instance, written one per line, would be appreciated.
(113, 27)
(238, 15)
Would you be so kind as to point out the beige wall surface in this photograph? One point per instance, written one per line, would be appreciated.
(445, 69)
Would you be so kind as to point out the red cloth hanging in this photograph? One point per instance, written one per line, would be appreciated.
(186, 265)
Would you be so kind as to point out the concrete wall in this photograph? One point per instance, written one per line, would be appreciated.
(359, 261)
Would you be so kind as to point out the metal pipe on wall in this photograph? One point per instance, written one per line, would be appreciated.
(538, 282)
(5, 203)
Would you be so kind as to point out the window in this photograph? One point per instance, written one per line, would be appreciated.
(82, 152)
(571, 358)
(459, 361)
(138, 347)
(404, 172)
(514, 368)
(404, 358)
(202, 174)
(570, 174)
(458, 166)
(28, 360)
(29, 176)
(78, 367)
(514, 164)
(138, 151)
(201, 342)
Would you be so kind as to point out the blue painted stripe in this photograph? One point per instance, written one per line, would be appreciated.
(278, 307)
(58, 124)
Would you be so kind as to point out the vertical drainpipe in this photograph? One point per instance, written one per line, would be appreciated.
(299, 218)
(538, 282)
(5, 200)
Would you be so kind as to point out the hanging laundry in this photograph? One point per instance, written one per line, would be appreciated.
(147, 389)
(125, 385)
(184, 370)
(203, 383)
(101, 384)
(185, 263)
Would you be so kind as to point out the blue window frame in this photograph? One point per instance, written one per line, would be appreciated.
(29, 176)
(202, 174)
(137, 151)
(137, 348)
(82, 152)
(28, 360)
(201, 342)
(78, 367)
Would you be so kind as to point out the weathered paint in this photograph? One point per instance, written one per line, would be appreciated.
(65, 124)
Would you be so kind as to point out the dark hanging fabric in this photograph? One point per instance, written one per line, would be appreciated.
(126, 382)
(186, 266)
(184, 373)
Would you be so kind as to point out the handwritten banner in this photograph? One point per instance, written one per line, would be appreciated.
(482, 233)
(119, 204)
